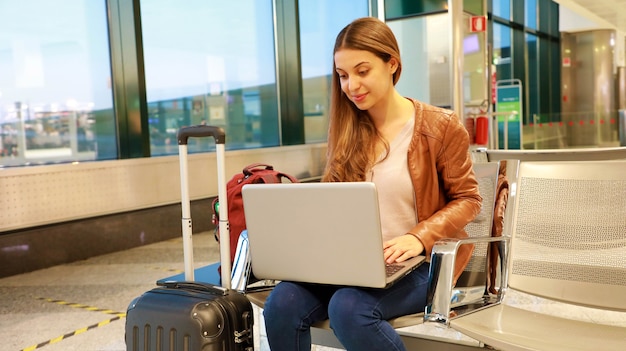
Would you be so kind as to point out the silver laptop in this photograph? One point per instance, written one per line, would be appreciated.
(327, 233)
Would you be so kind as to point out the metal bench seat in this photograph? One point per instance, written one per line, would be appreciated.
(565, 244)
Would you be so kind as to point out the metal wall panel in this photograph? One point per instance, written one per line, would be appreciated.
(621, 88)
(589, 103)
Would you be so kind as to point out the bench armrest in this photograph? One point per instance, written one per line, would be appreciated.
(441, 275)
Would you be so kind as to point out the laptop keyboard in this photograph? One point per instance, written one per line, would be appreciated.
(393, 268)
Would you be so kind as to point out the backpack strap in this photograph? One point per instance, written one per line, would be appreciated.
(267, 177)
(288, 176)
(249, 169)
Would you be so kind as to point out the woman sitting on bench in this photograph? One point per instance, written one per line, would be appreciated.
(418, 157)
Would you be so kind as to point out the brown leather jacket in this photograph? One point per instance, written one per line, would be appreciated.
(446, 190)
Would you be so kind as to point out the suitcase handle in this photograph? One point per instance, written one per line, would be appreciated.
(200, 131)
(214, 289)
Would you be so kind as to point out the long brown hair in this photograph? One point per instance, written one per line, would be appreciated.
(352, 136)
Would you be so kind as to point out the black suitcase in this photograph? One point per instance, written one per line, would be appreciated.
(188, 315)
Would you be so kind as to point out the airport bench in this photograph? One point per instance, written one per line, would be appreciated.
(573, 154)
(565, 266)
(471, 287)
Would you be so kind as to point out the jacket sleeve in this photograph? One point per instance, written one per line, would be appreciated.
(457, 191)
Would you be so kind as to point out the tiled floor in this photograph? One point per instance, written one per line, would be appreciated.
(81, 306)
(31, 318)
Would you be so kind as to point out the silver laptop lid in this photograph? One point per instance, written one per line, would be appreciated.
(325, 233)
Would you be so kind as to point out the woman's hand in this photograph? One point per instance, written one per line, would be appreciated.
(402, 248)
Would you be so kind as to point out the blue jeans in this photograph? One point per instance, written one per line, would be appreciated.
(357, 315)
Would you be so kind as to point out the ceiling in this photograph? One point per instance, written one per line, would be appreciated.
(607, 13)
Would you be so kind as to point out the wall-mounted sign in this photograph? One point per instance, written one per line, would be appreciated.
(567, 62)
(509, 99)
(478, 24)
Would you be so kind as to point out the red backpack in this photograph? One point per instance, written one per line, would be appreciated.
(254, 173)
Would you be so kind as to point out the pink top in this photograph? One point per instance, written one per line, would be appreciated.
(396, 196)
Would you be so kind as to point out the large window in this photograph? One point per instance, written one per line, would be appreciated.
(502, 51)
(526, 44)
(55, 86)
(320, 22)
(532, 78)
(501, 8)
(530, 12)
(210, 62)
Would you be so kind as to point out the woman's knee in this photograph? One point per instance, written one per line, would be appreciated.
(281, 299)
(349, 308)
(294, 303)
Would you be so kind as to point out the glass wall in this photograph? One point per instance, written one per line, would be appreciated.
(55, 82)
(526, 39)
(320, 22)
(530, 12)
(203, 65)
(532, 74)
(501, 8)
(116, 79)
(502, 51)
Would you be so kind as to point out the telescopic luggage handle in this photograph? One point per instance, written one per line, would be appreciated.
(199, 131)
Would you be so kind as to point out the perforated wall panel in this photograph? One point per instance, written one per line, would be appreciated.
(32, 196)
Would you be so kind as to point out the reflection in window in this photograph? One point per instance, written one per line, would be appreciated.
(320, 22)
(210, 62)
(502, 51)
(534, 97)
(530, 18)
(502, 8)
(55, 92)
